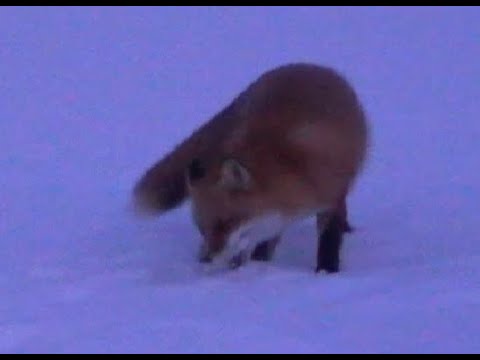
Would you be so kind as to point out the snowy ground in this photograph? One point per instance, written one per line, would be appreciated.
(89, 97)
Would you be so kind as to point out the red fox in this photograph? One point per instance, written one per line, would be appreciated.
(290, 145)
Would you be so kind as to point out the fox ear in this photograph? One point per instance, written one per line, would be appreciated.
(234, 176)
(196, 171)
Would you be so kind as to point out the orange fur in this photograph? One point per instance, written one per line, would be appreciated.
(298, 135)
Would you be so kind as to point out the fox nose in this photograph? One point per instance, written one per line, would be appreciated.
(205, 259)
(204, 254)
(209, 250)
(216, 244)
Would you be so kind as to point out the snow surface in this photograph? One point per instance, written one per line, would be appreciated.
(90, 97)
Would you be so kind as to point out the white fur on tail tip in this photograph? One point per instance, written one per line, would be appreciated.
(139, 208)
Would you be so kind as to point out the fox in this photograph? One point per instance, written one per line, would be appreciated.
(291, 145)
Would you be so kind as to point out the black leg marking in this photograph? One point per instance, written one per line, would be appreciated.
(329, 244)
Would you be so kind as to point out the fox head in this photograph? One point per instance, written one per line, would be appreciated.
(226, 209)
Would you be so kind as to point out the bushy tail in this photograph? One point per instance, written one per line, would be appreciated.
(163, 186)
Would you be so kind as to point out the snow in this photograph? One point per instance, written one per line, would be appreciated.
(90, 97)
